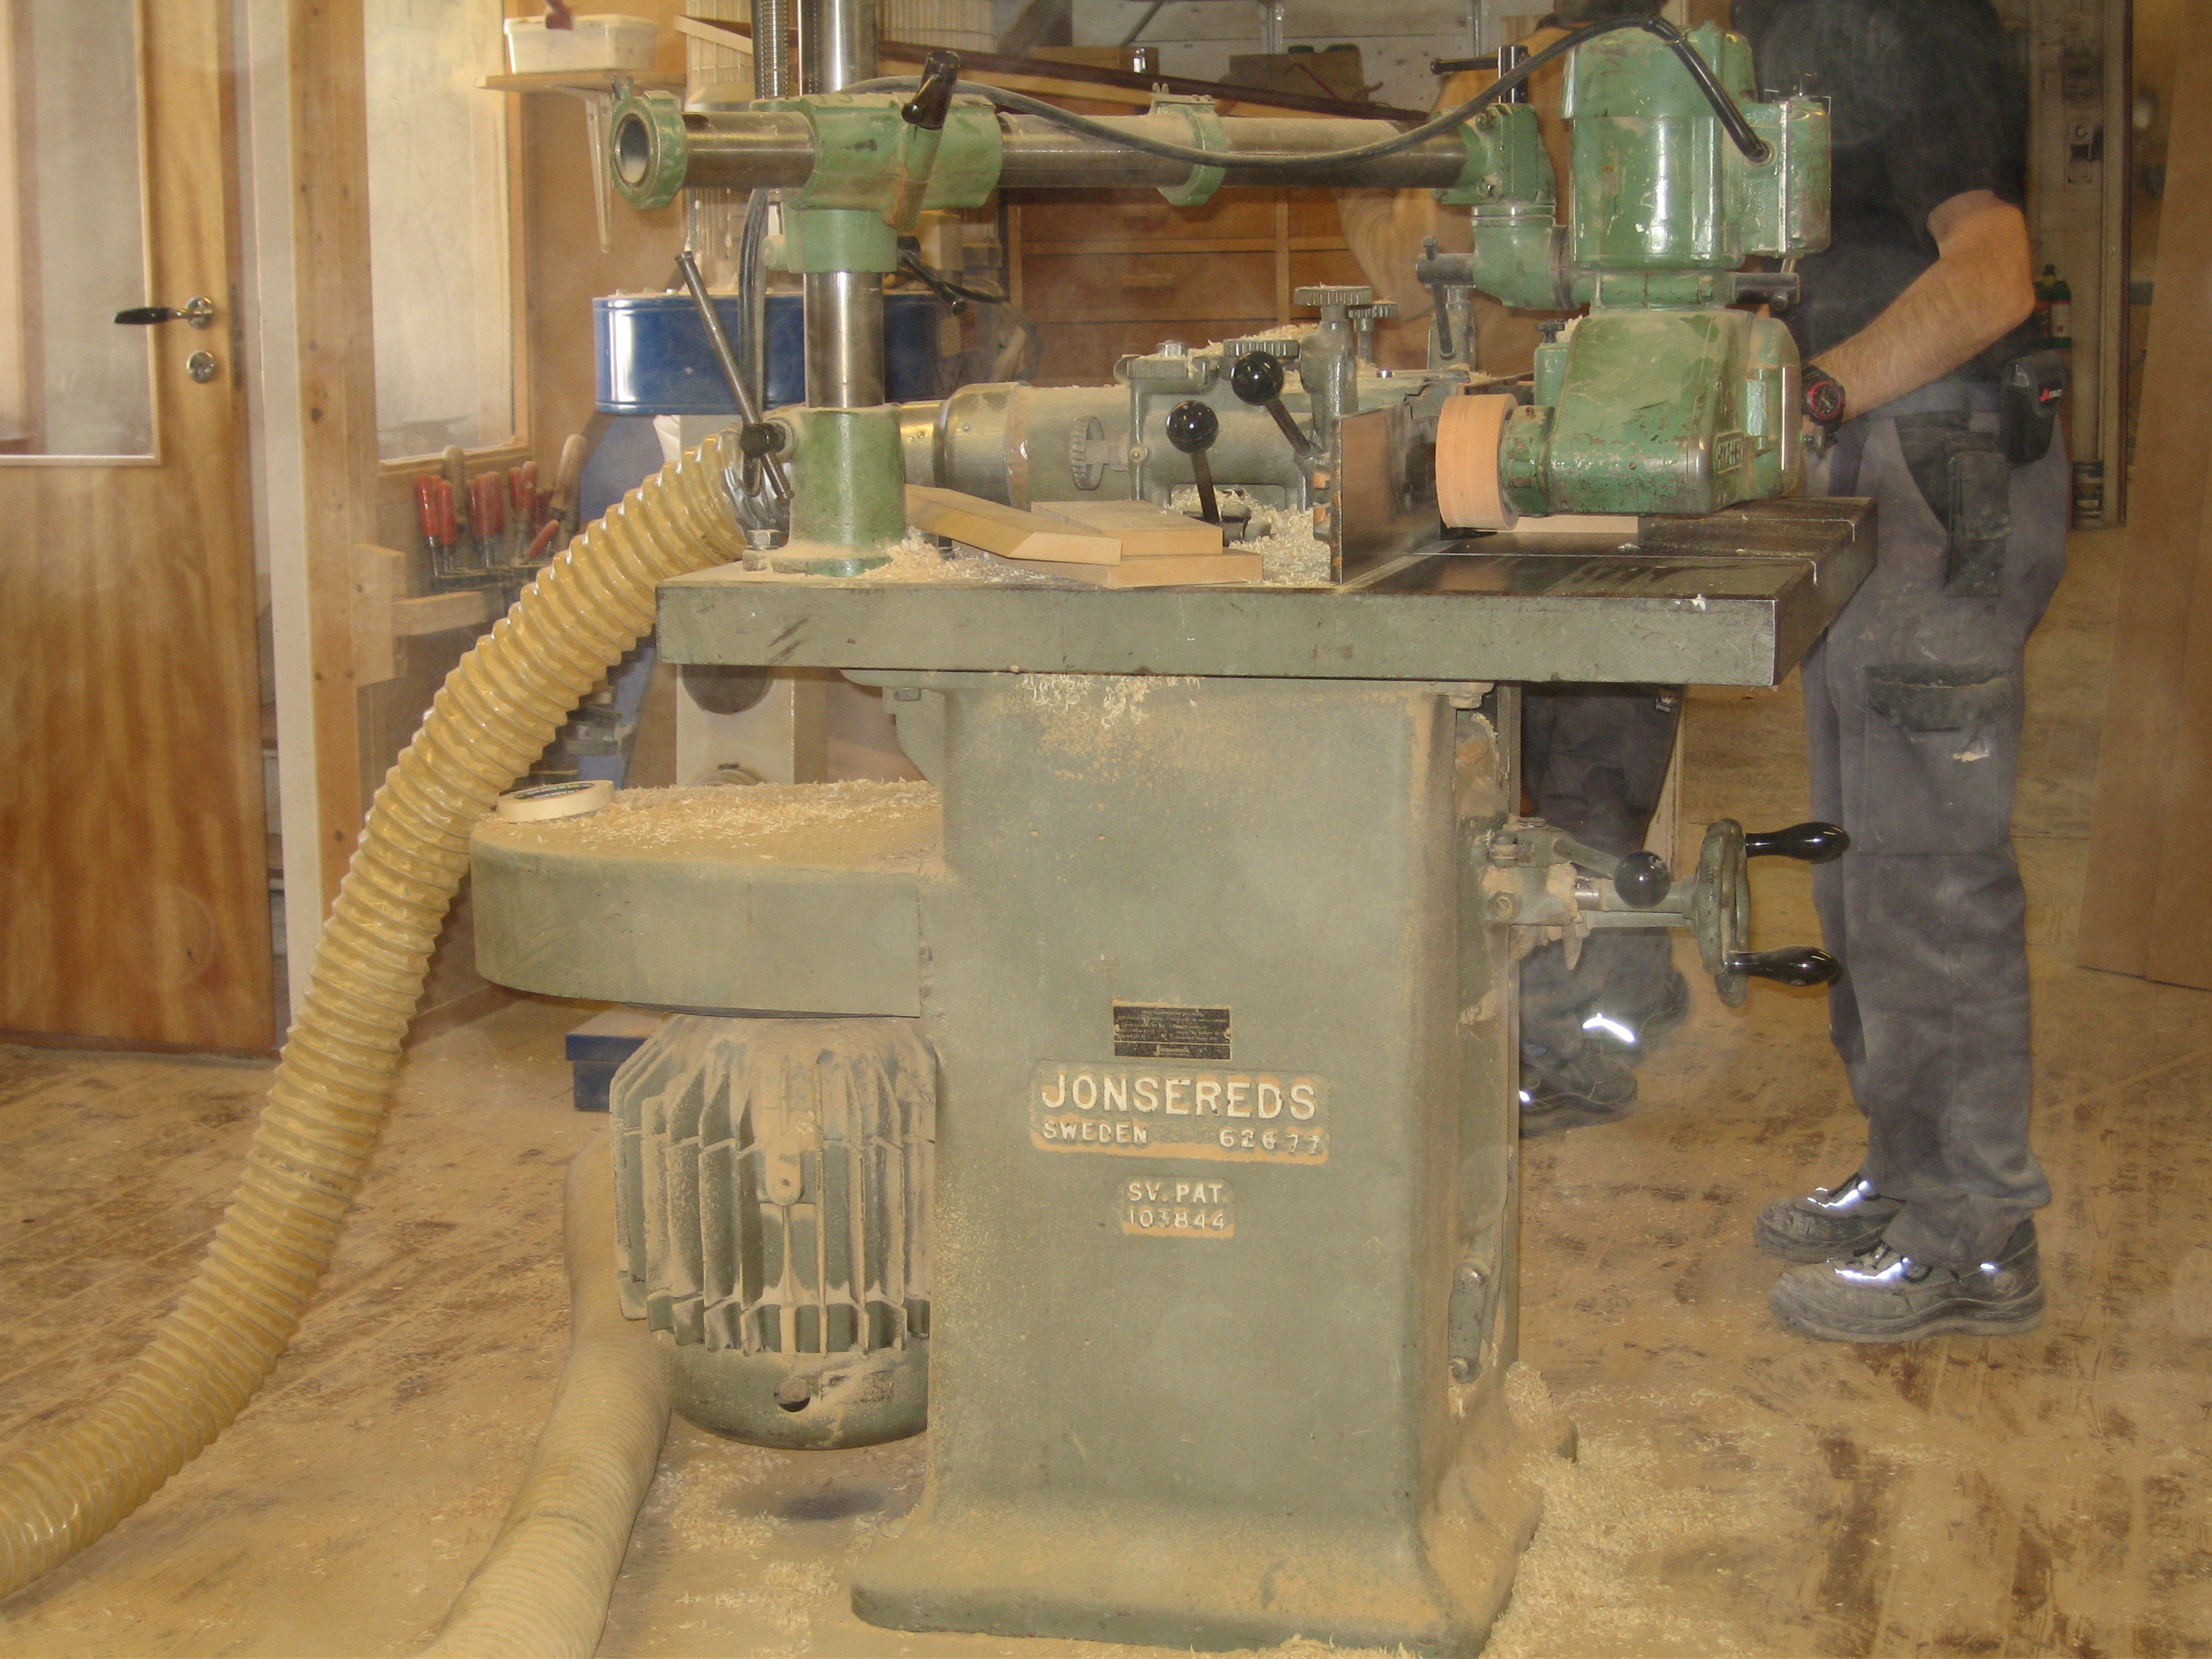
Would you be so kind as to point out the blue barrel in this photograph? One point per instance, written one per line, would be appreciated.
(654, 358)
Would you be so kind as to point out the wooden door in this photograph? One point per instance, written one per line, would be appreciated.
(134, 892)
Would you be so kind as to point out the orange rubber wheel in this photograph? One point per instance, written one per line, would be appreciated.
(1470, 492)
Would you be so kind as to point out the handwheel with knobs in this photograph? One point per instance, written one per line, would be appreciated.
(1720, 907)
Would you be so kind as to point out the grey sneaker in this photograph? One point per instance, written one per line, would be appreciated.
(1572, 1091)
(1879, 1296)
(1826, 1223)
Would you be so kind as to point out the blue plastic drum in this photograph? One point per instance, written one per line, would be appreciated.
(654, 358)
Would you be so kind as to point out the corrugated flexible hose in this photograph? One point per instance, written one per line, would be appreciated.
(541, 1593)
(495, 714)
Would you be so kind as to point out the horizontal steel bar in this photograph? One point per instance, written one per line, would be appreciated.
(749, 150)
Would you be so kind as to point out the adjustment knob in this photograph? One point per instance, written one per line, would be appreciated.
(1811, 842)
(1339, 296)
(1799, 964)
(1643, 880)
(1379, 310)
(1257, 377)
(1192, 427)
(760, 438)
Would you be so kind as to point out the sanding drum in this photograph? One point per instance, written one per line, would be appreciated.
(1470, 492)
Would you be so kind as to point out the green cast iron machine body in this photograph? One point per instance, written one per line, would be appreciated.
(1206, 918)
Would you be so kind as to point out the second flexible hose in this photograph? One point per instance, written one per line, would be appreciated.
(492, 717)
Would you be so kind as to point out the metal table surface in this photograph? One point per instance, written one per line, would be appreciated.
(1732, 599)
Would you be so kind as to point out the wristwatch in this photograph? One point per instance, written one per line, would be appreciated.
(1825, 398)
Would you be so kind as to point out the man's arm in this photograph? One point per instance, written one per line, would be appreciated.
(1978, 291)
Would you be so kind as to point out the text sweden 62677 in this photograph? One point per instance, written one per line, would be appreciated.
(1179, 1111)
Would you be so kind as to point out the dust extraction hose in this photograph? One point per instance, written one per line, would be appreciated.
(495, 714)
(542, 1591)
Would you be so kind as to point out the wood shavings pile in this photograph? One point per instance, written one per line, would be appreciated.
(1291, 555)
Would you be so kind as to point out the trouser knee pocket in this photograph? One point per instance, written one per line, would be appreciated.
(1938, 760)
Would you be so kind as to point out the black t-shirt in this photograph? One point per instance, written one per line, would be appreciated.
(1926, 103)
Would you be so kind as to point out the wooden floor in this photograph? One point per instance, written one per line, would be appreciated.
(1739, 1491)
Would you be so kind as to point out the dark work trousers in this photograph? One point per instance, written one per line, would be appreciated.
(1912, 715)
(1592, 758)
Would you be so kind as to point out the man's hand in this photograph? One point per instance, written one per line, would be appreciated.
(1980, 290)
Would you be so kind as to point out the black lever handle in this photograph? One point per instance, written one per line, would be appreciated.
(1798, 964)
(940, 73)
(1643, 879)
(1192, 428)
(1257, 379)
(1813, 843)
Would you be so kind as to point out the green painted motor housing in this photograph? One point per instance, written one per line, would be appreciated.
(1658, 411)
(1665, 397)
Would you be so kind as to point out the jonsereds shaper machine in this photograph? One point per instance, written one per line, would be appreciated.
(1189, 985)
(1134, 1104)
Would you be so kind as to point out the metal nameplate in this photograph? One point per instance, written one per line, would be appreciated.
(1178, 1207)
(1161, 1031)
(1179, 1111)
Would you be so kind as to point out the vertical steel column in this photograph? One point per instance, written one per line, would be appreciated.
(836, 44)
(844, 308)
(771, 48)
(844, 339)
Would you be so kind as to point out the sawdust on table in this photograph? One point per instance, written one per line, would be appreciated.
(1291, 555)
(638, 819)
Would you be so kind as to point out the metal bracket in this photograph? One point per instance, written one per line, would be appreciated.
(1205, 133)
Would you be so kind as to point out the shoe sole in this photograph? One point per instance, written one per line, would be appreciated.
(1787, 1247)
(1958, 1324)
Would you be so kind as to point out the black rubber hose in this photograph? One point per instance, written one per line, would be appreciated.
(1755, 149)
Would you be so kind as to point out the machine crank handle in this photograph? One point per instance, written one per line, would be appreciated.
(1257, 379)
(1798, 964)
(1810, 844)
(923, 117)
(1192, 428)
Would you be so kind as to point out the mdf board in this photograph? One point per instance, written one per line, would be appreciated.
(134, 899)
(2147, 902)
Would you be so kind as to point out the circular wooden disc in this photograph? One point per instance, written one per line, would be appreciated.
(1469, 492)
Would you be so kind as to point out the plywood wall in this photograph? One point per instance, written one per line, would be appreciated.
(2147, 908)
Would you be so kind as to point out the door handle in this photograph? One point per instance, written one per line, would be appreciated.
(198, 310)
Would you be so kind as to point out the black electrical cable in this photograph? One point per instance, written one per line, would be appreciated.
(956, 294)
(1755, 149)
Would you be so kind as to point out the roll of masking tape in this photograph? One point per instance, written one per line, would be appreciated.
(556, 800)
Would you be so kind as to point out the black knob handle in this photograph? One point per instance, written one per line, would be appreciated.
(1192, 428)
(940, 73)
(760, 438)
(1643, 879)
(1813, 843)
(141, 316)
(1799, 964)
(1257, 379)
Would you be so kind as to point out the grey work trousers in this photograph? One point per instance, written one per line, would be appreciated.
(1912, 715)
(1593, 759)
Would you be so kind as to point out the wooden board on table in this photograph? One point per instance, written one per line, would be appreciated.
(1006, 531)
(1145, 529)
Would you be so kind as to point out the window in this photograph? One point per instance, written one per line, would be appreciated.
(440, 257)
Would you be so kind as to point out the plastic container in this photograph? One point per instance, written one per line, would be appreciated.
(601, 40)
(655, 359)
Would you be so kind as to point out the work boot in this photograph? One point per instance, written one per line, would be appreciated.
(1880, 1296)
(1826, 1223)
(1572, 1091)
(1632, 1031)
